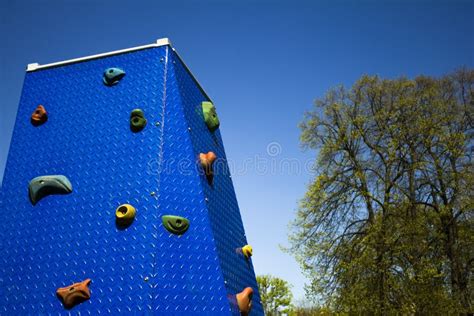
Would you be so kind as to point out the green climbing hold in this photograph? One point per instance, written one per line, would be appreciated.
(137, 120)
(210, 115)
(175, 224)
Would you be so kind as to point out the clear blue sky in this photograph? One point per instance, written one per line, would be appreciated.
(262, 63)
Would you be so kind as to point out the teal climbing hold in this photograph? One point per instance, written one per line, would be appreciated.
(137, 120)
(210, 115)
(113, 75)
(43, 186)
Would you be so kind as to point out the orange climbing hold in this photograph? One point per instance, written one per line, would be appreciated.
(207, 160)
(244, 300)
(39, 116)
(74, 294)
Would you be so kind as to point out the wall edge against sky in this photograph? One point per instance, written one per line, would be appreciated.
(35, 66)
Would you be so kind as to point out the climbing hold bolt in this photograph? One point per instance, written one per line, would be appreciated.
(74, 294)
(247, 251)
(244, 300)
(43, 186)
(112, 76)
(39, 116)
(124, 215)
(210, 115)
(207, 160)
(175, 224)
(137, 120)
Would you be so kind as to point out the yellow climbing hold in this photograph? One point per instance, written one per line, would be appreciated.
(247, 251)
(125, 214)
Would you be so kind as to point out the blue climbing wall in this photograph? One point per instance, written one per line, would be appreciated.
(67, 238)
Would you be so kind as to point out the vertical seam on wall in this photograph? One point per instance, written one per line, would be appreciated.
(160, 170)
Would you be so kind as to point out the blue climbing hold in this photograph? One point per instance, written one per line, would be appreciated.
(113, 75)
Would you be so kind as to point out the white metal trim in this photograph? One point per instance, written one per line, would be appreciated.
(191, 74)
(159, 42)
(32, 67)
(163, 41)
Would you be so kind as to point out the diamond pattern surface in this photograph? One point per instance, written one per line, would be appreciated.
(222, 204)
(188, 275)
(142, 269)
(68, 238)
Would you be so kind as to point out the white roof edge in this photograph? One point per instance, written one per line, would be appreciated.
(160, 42)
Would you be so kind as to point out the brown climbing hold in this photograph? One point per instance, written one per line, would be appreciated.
(244, 300)
(207, 160)
(39, 116)
(74, 294)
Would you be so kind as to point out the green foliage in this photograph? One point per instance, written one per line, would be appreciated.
(305, 308)
(386, 227)
(275, 295)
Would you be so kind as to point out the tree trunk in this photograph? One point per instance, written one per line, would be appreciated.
(458, 278)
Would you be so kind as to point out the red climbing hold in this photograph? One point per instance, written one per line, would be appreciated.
(244, 300)
(207, 160)
(39, 116)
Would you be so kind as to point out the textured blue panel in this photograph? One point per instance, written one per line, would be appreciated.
(67, 238)
(188, 275)
(222, 204)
